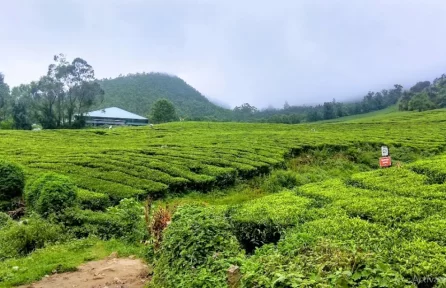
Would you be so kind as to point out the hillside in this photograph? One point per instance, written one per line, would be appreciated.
(137, 92)
(277, 196)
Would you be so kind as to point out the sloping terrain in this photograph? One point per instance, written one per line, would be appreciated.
(172, 158)
(137, 92)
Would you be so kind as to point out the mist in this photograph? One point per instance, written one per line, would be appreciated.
(260, 52)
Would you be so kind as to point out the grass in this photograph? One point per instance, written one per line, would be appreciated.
(60, 258)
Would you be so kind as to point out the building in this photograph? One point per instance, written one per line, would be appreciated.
(114, 116)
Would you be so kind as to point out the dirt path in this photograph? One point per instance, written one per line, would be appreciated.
(112, 273)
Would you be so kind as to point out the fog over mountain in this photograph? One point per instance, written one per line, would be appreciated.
(260, 52)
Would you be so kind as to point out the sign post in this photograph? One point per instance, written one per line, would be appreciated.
(384, 151)
(385, 160)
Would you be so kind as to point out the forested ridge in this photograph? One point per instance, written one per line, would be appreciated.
(138, 92)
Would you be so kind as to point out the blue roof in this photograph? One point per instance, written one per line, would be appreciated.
(114, 112)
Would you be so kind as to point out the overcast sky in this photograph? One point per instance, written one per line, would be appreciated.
(261, 52)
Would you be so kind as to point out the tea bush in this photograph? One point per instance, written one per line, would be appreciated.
(5, 220)
(389, 221)
(92, 200)
(124, 221)
(279, 180)
(263, 220)
(51, 194)
(197, 249)
(12, 182)
(319, 264)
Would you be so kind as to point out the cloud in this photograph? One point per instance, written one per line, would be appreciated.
(261, 52)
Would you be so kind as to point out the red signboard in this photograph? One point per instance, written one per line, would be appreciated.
(385, 162)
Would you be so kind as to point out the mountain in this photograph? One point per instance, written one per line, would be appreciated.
(137, 92)
(219, 103)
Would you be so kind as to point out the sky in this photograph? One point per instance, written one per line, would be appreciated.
(260, 52)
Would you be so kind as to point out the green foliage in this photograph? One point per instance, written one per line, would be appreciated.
(66, 90)
(124, 221)
(4, 100)
(12, 181)
(319, 264)
(21, 116)
(328, 111)
(377, 211)
(197, 249)
(163, 111)
(425, 96)
(7, 124)
(279, 180)
(138, 92)
(51, 194)
(5, 220)
(21, 238)
(55, 197)
(263, 220)
(420, 102)
(92, 200)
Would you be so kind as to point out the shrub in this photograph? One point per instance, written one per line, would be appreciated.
(90, 200)
(418, 259)
(21, 238)
(7, 124)
(319, 264)
(197, 249)
(263, 220)
(124, 221)
(5, 220)
(51, 194)
(12, 181)
(279, 180)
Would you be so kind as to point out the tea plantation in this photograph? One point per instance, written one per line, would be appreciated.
(288, 205)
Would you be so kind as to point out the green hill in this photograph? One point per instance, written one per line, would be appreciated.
(137, 92)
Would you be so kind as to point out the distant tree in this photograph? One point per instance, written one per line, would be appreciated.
(313, 115)
(340, 109)
(46, 96)
(244, 112)
(79, 89)
(286, 106)
(420, 86)
(163, 111)
(403, 104)
(329, 110)
(420, 102)
(4, 98)
(378, 101)
(20, 116)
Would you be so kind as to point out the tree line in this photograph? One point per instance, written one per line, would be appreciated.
(57, 100)
(425, 96)
(289, 114)
(60, 98)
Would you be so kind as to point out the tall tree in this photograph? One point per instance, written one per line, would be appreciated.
(79, 90)
(163, 111)
(244, 112)
(21, 116)
(4, 98)
(329, 110)
(46, 96)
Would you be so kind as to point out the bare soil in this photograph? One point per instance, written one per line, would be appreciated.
(111, 272)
